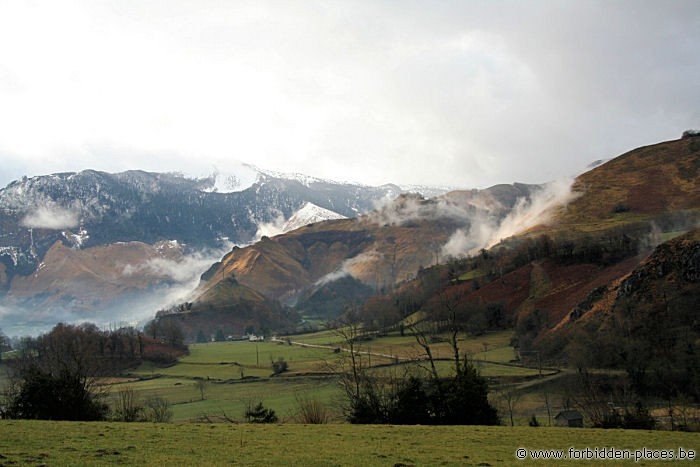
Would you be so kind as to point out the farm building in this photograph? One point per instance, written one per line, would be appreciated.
(569, 418)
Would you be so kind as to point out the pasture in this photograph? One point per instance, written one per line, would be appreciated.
(72, 443)
(240, 373)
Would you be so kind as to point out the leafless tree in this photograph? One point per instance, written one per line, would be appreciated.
(508, 400)
(202, 385)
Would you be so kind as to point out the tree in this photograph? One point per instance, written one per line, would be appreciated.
(509, 400)
(260, 414)
(172, 333)
(5, 343)
(202, 385)
(61, 396)
(311, 411)
(458, 400)
(128, 407)
(158, 410)
(55, 376)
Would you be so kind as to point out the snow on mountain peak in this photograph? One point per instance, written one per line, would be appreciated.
(309, 214)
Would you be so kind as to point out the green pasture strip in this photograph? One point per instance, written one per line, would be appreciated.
(71, 443)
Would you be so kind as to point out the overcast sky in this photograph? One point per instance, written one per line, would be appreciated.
(462, 93)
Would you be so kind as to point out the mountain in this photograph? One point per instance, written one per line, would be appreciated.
(309, 214)
(329, 300)
(645, 183)
(380, 249)
(610, 277)
(97, 208)
(231, 308)
(66, 238)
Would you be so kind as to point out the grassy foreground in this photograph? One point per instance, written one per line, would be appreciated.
(73, 443)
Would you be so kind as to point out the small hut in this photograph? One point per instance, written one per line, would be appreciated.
(569, 418)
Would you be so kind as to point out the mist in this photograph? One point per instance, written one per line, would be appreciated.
(51, 216)
(413, 207)
(181, 278)
(346, 268)
(485, 230)
(270, 229)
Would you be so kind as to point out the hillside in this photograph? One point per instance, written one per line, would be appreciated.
(569, 280)
(644, 321)
(641, 184)
(380, 249)
(231, 308)
(85, 279)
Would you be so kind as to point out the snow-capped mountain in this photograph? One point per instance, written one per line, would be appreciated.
(90, 211)
(309, 214)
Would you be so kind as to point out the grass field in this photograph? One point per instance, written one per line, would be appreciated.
(231, 399)
(239, 373)
(62, 443)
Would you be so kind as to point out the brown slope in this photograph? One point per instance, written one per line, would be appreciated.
(660, 298)
(639, 184)
(230, 307)
(377, 254)
(94, 277)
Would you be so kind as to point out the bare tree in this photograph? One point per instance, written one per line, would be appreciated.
(202, 385)
(158, 409)
(509, 400)
(128, 408)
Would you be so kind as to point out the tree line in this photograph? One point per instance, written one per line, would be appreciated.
(55, 375)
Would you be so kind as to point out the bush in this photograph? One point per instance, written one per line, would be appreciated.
(259, 414)
(461, 400)
(620, 208)
(66, 396)
(280, 366)
(311, 411)
(128, 408)
(158, 410)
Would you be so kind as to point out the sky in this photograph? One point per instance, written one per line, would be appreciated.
(464, 93)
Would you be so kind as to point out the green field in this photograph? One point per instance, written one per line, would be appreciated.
(240, 373)
(61, 443)
(231, 399)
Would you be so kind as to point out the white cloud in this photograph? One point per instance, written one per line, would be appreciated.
(486, 231)
(270, 229)
(346, 268)
(458, 93)
(52, 217)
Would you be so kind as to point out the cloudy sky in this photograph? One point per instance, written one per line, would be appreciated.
(463, 93)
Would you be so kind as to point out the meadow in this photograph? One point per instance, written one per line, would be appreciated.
(238, 374)
(72, 443)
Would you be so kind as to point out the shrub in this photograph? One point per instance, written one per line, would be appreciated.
(128, 408)
(259, 414)
(311, 411)
(158, 410)
(280, 366)
(620, 208)
(45, 396)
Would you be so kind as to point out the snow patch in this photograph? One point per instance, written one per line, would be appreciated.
(309, 214)
(231, 177)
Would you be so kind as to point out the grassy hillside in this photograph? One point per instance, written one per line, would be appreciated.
(637, 185)
(308, 445)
